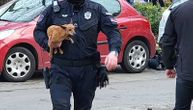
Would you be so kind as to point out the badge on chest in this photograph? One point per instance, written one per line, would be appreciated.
(87, 15)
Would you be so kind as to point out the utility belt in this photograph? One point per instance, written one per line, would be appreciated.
(74, 63)
(101, 77)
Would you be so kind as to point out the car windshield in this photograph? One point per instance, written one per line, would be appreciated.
(27, 10)
(23, 10)
(112, 6)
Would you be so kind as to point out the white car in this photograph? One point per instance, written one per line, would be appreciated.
(165, 16)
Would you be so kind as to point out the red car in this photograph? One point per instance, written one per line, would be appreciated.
(20, 55)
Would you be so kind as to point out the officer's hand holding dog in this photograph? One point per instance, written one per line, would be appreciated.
(111, 60)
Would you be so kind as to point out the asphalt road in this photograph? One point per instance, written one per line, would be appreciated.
(150, 89)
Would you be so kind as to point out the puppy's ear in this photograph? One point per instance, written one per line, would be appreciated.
(63, 27)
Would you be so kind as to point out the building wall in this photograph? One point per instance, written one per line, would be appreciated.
(3, 2)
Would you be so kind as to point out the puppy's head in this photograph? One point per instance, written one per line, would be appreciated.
(70, 29)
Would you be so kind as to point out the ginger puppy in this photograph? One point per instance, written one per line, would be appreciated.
(58, 33)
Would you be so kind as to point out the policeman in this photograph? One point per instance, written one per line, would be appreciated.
(76, 70)
(178, 52)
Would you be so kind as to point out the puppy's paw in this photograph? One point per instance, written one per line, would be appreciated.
(55, 51)
(60, 50)
(50, 54)
(71, 40)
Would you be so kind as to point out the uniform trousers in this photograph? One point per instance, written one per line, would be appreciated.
(79, 81)
(184, 94)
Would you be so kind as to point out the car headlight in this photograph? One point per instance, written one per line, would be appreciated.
(6, 33)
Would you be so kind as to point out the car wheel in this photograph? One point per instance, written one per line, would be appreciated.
(135, 57)
(19, 65)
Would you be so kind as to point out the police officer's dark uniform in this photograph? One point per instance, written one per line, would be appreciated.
(75, 70)
(178, 50)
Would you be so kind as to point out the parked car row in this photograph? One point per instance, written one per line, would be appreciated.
(21, 55)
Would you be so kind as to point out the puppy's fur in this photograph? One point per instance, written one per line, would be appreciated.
(60, 33)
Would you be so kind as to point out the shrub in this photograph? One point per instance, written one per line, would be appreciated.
(152, 13)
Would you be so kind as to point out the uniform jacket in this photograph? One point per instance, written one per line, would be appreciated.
(178, 41)
(89, 20)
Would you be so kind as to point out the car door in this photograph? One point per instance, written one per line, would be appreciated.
(45, 56)
(114, 7)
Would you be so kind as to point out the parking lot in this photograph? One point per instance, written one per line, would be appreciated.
(150, 89)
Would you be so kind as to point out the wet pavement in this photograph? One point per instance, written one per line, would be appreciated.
(140, 91)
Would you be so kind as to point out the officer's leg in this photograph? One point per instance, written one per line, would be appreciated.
(84, 91)
(184, 94)
(161, 2)
(60, 89)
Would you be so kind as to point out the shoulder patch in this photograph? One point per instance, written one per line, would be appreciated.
(114, 21)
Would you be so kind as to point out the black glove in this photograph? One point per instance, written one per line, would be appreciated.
(46, 74)
(102, 77)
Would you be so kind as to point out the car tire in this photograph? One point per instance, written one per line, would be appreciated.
(19, 65)
(136, 57)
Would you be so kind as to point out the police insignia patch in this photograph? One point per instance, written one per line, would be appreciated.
(41, 18)
(87, 15)
(113, 20)
(64, 15)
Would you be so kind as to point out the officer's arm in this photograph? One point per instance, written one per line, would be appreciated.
(169, 43)
(40, 32)
(109, 27)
